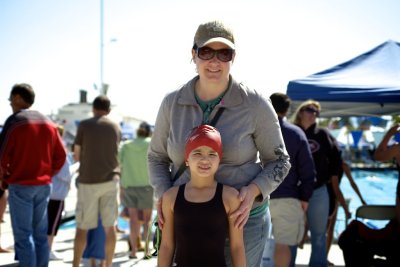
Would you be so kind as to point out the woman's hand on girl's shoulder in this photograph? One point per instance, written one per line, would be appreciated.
(231, 199)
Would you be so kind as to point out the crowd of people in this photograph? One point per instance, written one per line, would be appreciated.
(36, 178)
(224, 164)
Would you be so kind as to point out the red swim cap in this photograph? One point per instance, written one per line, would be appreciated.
(204, 135)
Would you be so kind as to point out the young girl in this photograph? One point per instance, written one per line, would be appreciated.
(198, 214)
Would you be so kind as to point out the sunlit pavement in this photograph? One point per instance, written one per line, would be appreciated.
(63, 246)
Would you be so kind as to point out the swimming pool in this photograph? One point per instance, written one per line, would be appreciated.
(376, 187)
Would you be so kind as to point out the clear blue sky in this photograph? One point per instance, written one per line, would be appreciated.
(55, 45)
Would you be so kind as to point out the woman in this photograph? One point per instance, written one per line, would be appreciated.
(137, 193)
(384, 152)
(361, 244)
(249, 127)
(327, 162)
(61, 183)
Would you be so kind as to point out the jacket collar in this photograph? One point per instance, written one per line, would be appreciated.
(232, 97)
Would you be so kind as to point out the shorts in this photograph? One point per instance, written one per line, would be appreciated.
(287, 218)
(54, 214)
(95, 199)
(138, 197)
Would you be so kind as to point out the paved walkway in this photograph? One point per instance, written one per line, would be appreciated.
(63, 246)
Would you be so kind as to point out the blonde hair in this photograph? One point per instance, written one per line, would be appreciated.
(296, 116)
(60, 129)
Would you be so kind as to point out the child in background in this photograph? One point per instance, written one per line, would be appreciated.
(61, 183)
(201, 210)
(95, 248)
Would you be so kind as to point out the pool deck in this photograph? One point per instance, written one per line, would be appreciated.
(63, 246)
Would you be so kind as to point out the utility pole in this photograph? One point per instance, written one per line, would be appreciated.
(102, 87)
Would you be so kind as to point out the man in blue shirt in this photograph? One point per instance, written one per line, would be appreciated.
(289, 202)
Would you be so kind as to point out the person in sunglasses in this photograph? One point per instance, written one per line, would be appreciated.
(327, 161)
(255, 160)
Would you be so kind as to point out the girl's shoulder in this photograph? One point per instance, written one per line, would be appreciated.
(230, 198)
(170, 194)
(230, 191)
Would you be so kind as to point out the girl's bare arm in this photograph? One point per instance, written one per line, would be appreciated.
(167, 247)
(232, 203)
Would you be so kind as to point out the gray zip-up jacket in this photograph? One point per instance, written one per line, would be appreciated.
(249, 129)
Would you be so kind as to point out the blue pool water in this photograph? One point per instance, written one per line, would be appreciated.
(376, 187)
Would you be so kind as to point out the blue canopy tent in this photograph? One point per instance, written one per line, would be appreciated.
(368, 85)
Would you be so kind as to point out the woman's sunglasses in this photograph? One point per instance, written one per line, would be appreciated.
(206, 53)
(311, 110)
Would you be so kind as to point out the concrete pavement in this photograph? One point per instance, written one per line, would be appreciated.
(63, 246)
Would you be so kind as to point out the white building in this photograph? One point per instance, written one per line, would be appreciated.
(71, 114)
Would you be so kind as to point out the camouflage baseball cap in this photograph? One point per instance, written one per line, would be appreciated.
(213, 31)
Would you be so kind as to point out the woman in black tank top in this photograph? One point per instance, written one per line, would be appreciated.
(359, 243)
(196, 214)
(384, 153)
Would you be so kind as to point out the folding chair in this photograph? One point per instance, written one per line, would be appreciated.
(376, 212)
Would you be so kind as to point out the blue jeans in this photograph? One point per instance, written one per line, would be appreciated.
(28, 212)
(269, 248)
(255, 235)
(317, 217)
(293, 254)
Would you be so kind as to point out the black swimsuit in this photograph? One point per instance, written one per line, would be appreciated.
(200, 230)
